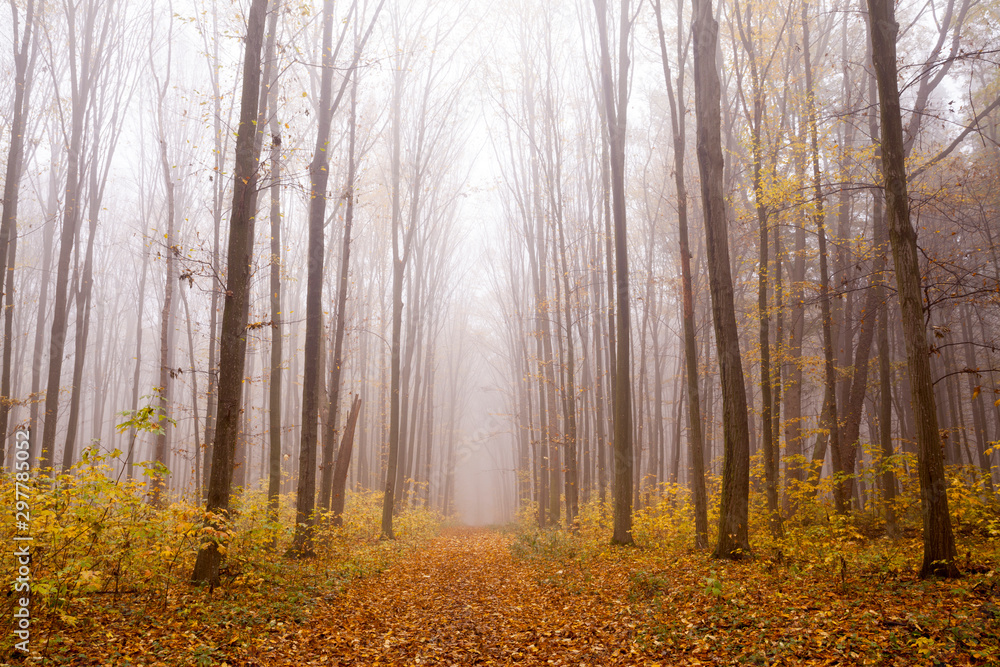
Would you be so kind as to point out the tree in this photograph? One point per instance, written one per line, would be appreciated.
(25, 54)
(38, 348)
(734, 510)
(616, 121)
(402, 244)
(695, 443)
(939, 543)
(84, 61)
(166, 374)
(233, 342)
(339, 481)
(830, 417)
(221, 141)
(328, 488)
(769, 439)
(274, 381)
(319, 177)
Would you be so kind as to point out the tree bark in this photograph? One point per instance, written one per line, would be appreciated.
(194, 394)
(130, 455)
(47, 230)
(157, 482)
(218, 191)
(769, 443)
(389, 499)
(978, 412)
(795, 462)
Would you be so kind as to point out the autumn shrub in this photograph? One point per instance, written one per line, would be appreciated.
(525, 516)
(355, 549)
(94, 532)
(815, 535)
(548, 544)
(531, 541)
(595, 517)
(416, 523)
(668, 521)
(972, 508)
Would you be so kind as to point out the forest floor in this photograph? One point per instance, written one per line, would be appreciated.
(480, 597)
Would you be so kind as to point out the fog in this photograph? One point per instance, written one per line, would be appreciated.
(482, 180)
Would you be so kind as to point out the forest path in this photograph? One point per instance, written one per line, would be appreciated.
(463, 599)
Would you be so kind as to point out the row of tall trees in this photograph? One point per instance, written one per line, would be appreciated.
(201, 321)
(796, 170)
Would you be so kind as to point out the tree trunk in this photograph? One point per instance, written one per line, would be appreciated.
(733, 513)
(978, 412)
(302, 544)
(769, 443)
(47, 230)
(695, 444)
(234, 316)
(80, 73)
(675, 465)
(795, 463)
(157, 481)
(8, 345)
(24, 65)
(535, 232)
(218, 191)
(274, 382)
(858, 388)
(616, 121)
(569, 442)
(194, 395)
(600, 421)
(130, 456)
(343, 462)
(885, 413)
(939, 543)
(338, 338)
(548, 377)
(830, 417)
(388, 500)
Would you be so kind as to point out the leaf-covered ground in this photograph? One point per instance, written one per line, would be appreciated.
(463, 599)
(483, 598)
(545, 598)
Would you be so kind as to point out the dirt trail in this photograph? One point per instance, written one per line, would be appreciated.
(462, 599)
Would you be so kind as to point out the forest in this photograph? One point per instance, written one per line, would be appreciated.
(455, 332)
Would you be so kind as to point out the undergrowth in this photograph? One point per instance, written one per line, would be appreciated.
(663, 519)
(830, 589)
(104, 560)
